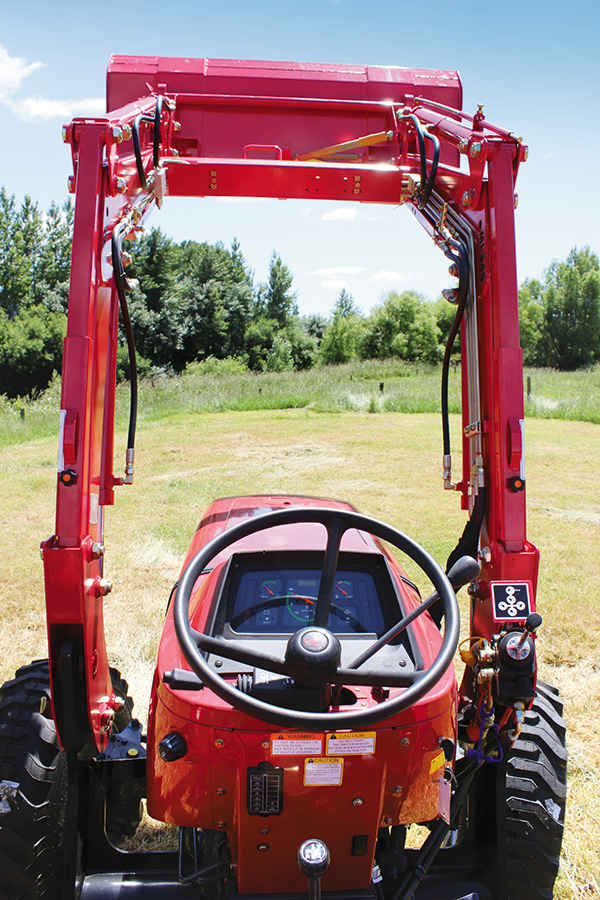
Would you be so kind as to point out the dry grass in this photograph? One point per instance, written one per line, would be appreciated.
(388, 465)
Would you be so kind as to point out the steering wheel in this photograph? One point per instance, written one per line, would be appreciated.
(313, 653)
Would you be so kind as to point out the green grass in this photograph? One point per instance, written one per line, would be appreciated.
(388, 465)
(375, 387)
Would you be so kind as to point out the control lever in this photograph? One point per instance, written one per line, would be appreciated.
(532, 623)
(313, 860)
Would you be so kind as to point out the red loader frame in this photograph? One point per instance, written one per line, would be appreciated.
(181, 127)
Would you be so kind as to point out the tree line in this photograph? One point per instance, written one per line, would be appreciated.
(190, 301)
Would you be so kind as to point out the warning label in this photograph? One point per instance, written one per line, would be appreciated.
(296, 745)
(437, 762)
(350, 744)
(323, 771)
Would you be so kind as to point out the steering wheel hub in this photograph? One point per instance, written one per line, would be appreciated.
(312, 656)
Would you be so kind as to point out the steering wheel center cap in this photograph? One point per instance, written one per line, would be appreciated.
(312, 656)
(314, 641)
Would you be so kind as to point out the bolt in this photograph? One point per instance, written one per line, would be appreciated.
(264, 830)
(485, 555)
(121, 185)
(219, 743)
(265, 745)
(176, 126)
(405, 742)
(71, 184)
(475, 150)
(104, 587)
(133, 752)
(463, 146)
(126, 132)
(358, 801)
(221, 824)
(117, 134)
(221, 792)
(262, 847)
(65, 134)
(524, 153)
(467, 198)
(358, 177)
(218, 663)
(174, 152)
(387, 820)
(126, 258)
(397, 789)
(516, 201)
(97, 550)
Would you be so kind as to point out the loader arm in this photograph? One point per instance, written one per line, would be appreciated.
(183, 127)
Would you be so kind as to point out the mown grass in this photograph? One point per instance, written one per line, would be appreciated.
(324, 440)
(373, 386)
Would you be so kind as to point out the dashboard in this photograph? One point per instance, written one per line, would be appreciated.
(282, 600)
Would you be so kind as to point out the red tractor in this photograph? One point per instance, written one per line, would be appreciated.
(305, 709)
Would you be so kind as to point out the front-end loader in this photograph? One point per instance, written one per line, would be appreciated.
(308, 704)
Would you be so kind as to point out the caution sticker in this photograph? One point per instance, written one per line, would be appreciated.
(323, 770)
(350, 744)
(437, 762)
(296, 745)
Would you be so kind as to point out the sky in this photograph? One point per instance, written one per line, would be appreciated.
(533, 65)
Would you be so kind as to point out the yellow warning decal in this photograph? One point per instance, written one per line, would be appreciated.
(323, 770)
(345, 743)
(296, 744)
(437, 762)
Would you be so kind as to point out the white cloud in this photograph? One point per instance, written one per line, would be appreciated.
(307, 211)
(387, 275)
(343, 214)
(31, 108)
(334, 284)
(338, 271)
(13, 70)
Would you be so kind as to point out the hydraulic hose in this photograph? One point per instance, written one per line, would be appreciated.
(120, 280)
(457, 252)
(427, 181)
(137, 147)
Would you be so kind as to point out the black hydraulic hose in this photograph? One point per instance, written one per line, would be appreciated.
(156, 142)
(468, 542)
(120, 285)
(137, 147)
(462, 262)
(426, 191)
(421, 143)
(427, 181)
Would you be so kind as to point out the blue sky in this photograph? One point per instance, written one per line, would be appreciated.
(533, 65)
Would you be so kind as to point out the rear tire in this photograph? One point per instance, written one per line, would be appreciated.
(33, 775)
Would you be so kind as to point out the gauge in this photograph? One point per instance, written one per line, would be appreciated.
(270, 587)
(301, 598)
(343, 590)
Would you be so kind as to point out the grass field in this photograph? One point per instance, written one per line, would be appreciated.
(388, 465)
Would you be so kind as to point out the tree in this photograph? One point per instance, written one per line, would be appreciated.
(343, 337)
(404, 326)
(277, 298)
(560, 319)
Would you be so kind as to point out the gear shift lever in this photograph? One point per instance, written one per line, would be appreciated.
(313, 860)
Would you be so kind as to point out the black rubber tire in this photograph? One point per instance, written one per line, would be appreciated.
(531, 802)
(32, 816)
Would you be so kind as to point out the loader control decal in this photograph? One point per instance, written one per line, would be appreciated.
(510, 600)
(324, 771)
(296, 745)
(350, 744)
